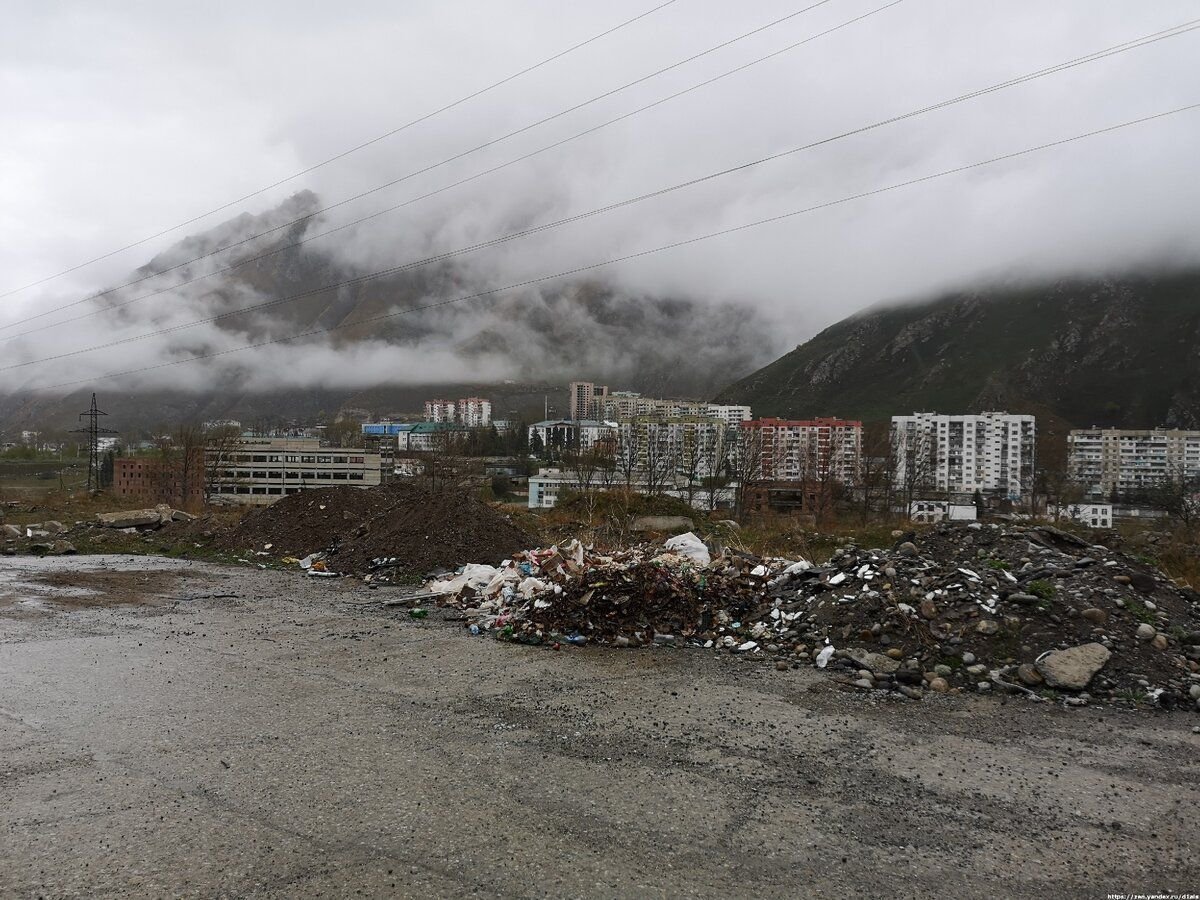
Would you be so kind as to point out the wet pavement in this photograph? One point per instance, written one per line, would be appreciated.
(170, 728)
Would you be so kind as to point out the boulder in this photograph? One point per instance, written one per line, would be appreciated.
(661, 523)
(133, 518)
(876, 662)
(1073, 669)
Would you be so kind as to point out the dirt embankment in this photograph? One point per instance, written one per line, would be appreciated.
(421, 528)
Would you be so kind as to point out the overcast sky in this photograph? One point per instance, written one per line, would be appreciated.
(119, 119)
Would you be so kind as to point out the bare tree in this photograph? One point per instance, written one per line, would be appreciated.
(748, 467)
(1178, 495)
(915, 453)
(220, 451)
(658, 456)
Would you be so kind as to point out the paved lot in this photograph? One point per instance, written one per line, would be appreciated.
(297, 740)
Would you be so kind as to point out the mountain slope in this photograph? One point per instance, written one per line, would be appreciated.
(1113, 351)
(394, 340)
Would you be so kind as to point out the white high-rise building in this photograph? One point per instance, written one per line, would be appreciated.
(474, 412)
(1104, 460)
(439, 411)
(992, 452)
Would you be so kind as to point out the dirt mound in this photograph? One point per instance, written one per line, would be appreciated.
(416, 529)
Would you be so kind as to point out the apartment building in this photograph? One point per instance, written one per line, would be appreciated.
(474, 412)
(261, 470)
(1129, 461)
(629, 405)
(582, 403)
(441, 411)
(573, 434)
(821, 449)
(992, 452)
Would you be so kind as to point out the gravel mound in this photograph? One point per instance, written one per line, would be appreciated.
(1030, 610)
(413, 528)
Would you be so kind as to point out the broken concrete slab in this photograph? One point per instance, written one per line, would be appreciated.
(1073, 669)
(661, 523)
(133, 518)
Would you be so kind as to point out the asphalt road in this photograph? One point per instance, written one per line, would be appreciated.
(298, 740)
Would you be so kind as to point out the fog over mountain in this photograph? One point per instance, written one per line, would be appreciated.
(125, 118)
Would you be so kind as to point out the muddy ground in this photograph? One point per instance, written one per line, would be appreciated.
(161, 738)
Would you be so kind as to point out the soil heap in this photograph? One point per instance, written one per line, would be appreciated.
(396, 527)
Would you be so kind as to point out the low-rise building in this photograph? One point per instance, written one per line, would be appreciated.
(1093, 515)
(153, 480)
(261, 470)
(931, 511)
(547, 487)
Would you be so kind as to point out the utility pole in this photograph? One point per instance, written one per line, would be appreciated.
(93, 431)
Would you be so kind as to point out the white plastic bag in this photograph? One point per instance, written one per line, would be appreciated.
(692, 547)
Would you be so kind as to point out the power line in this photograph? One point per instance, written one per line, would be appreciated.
(492, 142)
(344, 153)
(441, 257)
(641, 253)
(1133, 44)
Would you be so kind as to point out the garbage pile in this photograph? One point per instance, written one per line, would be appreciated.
(391, 532)
(1033, 611)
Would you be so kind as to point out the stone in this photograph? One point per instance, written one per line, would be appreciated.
(1096, 616)
(782, 666)
(943, 670)
(1194, 692)
(63, 548)
(53, 527)
(928, 609)
(983, 687)
(178, 515)
(10, 532)
(1145, 632)
(1122, 579)
(908, 548)
(1073, 669)
(876, 662)
(1160, 642)
(865, 683)
(968, 658)
(987, 626)
(1024, 599)
(939, 685)
(912, 693)
(1028, 675)
(1143, 582)
(661, 523)
(895, 653)
(977, 669)
(134, 518)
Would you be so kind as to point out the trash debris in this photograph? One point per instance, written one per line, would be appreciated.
(1026, 610)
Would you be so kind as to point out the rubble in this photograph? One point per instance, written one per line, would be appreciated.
(142, 518)
(1026, 610)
